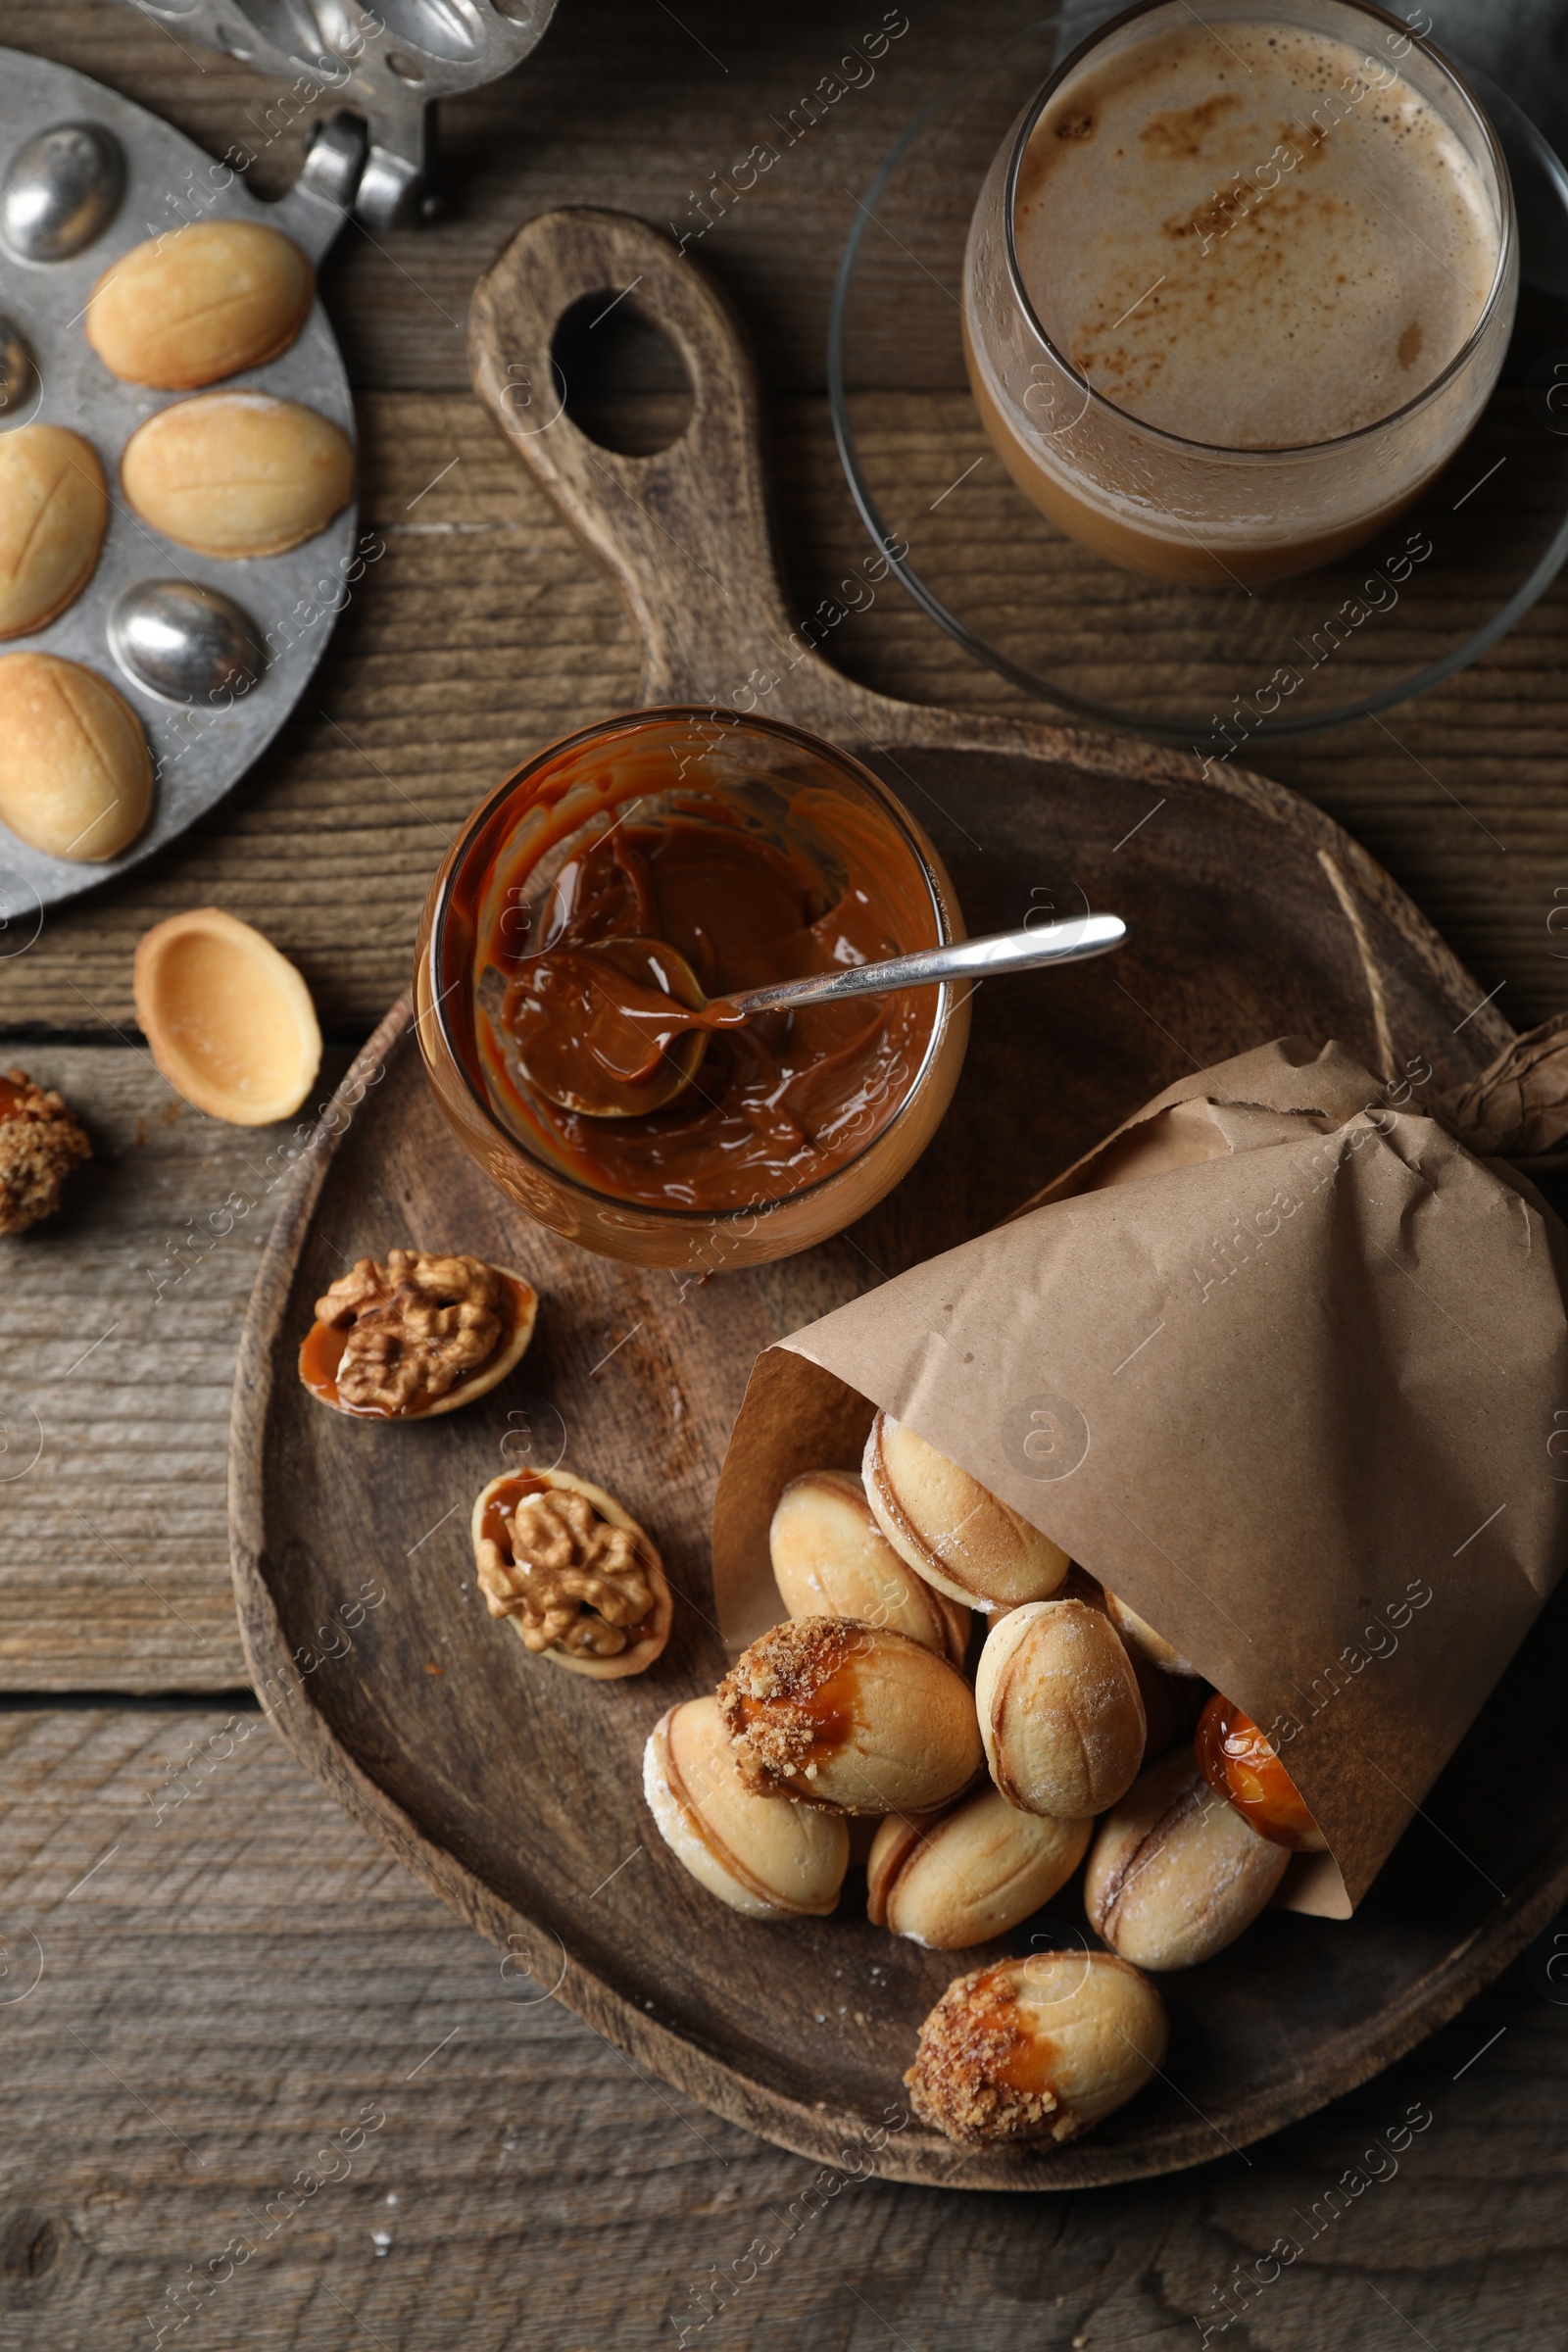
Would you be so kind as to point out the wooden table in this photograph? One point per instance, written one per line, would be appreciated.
(205, 1974)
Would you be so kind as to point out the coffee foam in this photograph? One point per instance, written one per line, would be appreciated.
(1198, 297)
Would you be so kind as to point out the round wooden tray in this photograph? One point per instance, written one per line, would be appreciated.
(514, 1788)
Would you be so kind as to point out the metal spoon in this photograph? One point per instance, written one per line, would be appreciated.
(62, 191)
(653, 1049)
(183, 642)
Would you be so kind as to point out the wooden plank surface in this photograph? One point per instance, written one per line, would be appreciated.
(239, 1981)
(118, 1322)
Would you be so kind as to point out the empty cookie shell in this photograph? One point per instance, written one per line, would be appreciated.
(581, 1582)
(959, 1878)
(831, 1559)
(950, 1529)
(228, 1019)
(200, 304)
(238, 473)
(766, 1859)
(53, 509)
(76, 774)
(1060, 1712)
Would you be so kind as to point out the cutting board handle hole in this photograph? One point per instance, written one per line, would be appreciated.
(626, 385)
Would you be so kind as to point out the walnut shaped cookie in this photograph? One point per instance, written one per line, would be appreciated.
(415, 1335)
(581, 1582)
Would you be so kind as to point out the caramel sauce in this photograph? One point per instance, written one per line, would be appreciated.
(829, 1709)
(321, 1353)
(776, 1105)
(1240, 1764)
(502, 1504)
(1031, 2063)
(11, 1096)
(1033, 2066)
(593, 1026)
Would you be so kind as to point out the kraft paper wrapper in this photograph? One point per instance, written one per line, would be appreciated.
(1272, 1362)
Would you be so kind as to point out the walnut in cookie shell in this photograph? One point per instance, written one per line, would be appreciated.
(854, 1717)
(581, 1582)
(1038, 2049)
(417, 1334)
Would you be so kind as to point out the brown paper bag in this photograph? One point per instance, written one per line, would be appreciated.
(1282, 1364)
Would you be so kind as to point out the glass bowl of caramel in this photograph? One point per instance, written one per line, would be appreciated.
(759, 852)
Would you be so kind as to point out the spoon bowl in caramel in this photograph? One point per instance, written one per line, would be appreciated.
(618, 1029)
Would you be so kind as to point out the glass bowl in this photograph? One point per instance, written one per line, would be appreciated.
(496, 902)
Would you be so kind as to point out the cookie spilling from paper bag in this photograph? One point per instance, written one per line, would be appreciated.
(1275, 1367)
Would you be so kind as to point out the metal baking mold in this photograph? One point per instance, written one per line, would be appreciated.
(291, 600)
(386, 61)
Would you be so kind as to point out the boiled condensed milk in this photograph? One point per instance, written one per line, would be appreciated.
(1261, 269)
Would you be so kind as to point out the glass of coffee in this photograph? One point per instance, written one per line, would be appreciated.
(1238, 284)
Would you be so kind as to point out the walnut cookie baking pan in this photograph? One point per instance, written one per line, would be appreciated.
(290, 598)
(516, 1792)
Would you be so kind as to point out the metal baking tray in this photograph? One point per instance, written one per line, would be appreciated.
(292, 599)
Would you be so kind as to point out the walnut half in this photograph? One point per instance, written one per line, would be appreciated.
(580, 1581)
(421, 1331)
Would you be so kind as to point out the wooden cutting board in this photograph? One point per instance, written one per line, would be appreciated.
(514, 1788)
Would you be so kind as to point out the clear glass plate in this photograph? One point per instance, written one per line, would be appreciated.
(1187, 664)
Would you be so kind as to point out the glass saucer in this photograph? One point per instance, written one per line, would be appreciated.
(1182, 664)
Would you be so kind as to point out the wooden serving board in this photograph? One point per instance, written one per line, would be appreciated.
(514, 1788)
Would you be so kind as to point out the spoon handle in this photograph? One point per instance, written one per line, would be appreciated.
(967, 958)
